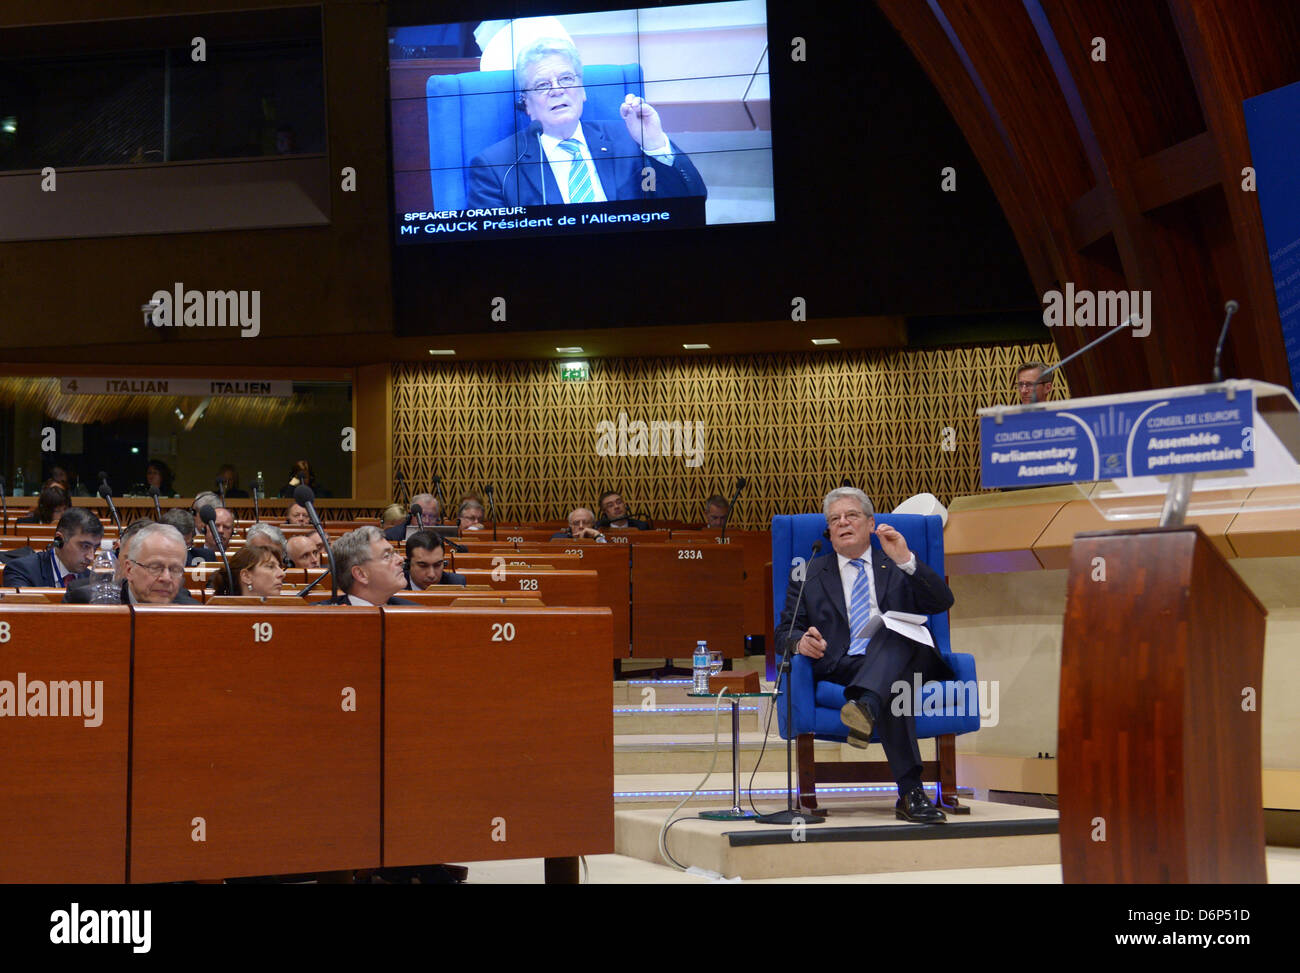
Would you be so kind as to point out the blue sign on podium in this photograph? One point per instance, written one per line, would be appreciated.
(1147, 435)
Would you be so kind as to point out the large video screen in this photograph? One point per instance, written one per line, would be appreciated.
(651, 118)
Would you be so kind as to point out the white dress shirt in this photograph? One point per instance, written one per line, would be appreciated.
(562, 160)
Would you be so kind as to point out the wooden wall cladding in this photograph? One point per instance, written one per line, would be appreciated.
(1114, 138)
(794, 425)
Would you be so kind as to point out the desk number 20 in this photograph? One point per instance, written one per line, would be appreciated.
(503, 632)
(261, 631)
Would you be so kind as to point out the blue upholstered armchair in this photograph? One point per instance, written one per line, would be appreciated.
(817, 704)
(469, 112)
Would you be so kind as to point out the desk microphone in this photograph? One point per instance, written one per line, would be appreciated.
(157, 508)
(208, 515)
(401, 482)
(437, 493)
(790, 813)
(106, 492)
(1132, 320)
(533, 128)
(307, 590)
(4, 507)
(306, 497)
(1231, 308)
(491, 510)
(418, 513)
(741, 483)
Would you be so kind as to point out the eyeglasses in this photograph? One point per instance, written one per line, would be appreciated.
(851, 517)
(1025, 386)
(156, 569)
(387, 556)
(567, 80)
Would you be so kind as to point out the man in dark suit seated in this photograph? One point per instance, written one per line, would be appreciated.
(430, 515)
(305, 550)
(184, 523)
(613, 513)
(154, 567)
(582, 524)
(370, 571)
(76, 538)
(561, 159)
(425, 560)
(840, 594)
(716, 509)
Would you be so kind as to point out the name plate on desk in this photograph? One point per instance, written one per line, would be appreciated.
(1146, 434)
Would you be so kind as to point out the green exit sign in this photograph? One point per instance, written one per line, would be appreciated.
(574, 371)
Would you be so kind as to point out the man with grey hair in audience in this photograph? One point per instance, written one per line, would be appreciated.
(370, 571)
(153, 560)
(267, 535)
(184, 523)
(430, 514)
(840, 594)
(561, 158)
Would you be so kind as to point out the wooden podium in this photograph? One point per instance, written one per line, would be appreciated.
(1159, 736)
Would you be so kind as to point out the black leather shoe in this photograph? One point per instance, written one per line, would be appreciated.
(916, 807)
(855, 715)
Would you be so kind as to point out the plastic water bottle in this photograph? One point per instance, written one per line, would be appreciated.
(701, 668)
(259, 487)
(103, 590)
(19, 483)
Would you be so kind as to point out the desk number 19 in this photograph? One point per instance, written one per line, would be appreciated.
(261, 631)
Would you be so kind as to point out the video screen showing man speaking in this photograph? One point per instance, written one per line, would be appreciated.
(588, 122)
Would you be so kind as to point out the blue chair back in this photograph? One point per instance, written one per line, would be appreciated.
(470, 112)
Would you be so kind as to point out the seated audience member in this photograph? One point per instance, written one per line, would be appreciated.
(257, 571)
(225, 523)
(393, 515)
(716, 509)
(205, 498)
(230, 478)
(470, 515)
(305, 550)
(1027, 383)
(159, 474)
(184, 523)
(370, 571)
(154, 568)
(60, 476)
(50, 505)
(430, 514)
(582, 524)
(613, 513)
(296, 516)
(76, 538)
(425, 560)
(300, 474)
(269, 536)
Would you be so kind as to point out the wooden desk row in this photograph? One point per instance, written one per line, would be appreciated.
(229, 742)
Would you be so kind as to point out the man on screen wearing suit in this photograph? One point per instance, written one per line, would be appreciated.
(561, 159)
(840, 593)
(76, 538)
(370, 571)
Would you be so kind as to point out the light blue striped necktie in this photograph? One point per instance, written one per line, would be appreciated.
(859, 608)
(579, 178)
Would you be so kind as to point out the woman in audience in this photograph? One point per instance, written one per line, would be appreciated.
(257, 571)
(393, 515)
(159, 474)
(51, 503)
(300, 474)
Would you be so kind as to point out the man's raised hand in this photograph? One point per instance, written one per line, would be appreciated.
(643, 123)
(893, 544)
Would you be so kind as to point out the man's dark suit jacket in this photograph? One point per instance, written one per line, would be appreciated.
(33, 571)
(448, 577)
(80, 595)
(202, 553)
(922, 593)
(604, 524)
(495, 179)
(343, 600)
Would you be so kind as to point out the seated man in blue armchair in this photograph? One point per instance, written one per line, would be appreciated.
(561, 158)
(839, 597)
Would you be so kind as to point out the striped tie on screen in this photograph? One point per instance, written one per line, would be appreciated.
(579, 178)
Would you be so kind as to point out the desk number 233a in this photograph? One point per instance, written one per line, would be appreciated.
(261, 631)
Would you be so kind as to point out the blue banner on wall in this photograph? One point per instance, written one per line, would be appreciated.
(1273, 126)
(1154, 436)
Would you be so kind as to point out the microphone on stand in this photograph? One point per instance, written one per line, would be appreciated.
(491, 510)
(1132, 319)
(306, 497)
(157, 507)
(257, 511)
(401, 482)
(307, 590)
(106, 492)
(221, 489)
(418, 513)
(1231, 308)
(4, 508)
(741, 483)
(437, 493)
(208, 514)
(790, 813)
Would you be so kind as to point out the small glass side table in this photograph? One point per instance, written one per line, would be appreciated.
(736, 813)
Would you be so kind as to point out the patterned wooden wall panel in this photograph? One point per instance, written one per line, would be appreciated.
(795, 425)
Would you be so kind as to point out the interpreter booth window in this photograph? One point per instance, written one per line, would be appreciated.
(179, 434)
